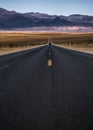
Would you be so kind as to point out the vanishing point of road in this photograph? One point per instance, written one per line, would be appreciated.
(46, 88)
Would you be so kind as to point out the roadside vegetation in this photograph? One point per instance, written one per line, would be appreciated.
(25, 40)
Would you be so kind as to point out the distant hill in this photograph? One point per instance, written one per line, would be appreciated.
(13, 19)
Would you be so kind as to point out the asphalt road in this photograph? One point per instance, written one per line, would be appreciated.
(38, 96)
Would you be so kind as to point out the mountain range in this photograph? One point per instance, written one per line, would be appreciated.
(13, 19)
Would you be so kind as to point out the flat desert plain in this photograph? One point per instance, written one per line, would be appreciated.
(13, 41)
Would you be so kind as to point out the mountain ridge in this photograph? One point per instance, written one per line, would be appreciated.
(13, 19)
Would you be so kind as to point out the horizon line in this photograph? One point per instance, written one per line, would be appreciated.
(23, 12)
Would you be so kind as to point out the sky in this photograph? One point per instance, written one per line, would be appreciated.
(52, 7)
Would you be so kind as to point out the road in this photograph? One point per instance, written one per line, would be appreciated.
(35, 95)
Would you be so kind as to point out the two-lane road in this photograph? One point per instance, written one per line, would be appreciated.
(38, 96)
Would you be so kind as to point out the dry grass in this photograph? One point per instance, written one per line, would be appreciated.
(83, 49)
(16, 41)
(8, 50)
